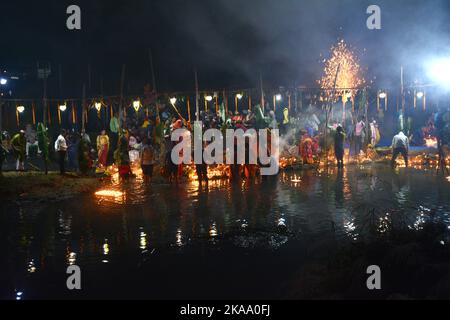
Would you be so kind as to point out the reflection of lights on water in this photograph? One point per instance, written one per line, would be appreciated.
(143, 241)
(383, 227)
(213, 231)
(349, 226)
(105, 261)
(296, 180)
(281, 222)
(106, 247)
(111, 195)
(179, 238)
(420, 221)
(72, 258)
(31, 267)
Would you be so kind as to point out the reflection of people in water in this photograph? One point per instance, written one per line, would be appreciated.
(339, 189)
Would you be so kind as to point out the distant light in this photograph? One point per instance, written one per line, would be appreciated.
(419, 95)
(14, 78)
(19, 295)
(208, 98)
(173, 100)
(278, 97)
(136, 105)
(98, 106)
(439, 71)
(20, 109)
(3, 81)
(63, 107)
(382, 95)
(239, 96)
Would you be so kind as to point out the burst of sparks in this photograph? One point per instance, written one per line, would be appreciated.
(350, 76)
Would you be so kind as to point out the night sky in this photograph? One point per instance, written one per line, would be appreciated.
(229, 41)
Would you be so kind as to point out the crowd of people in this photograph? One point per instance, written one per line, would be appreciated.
(146, 141)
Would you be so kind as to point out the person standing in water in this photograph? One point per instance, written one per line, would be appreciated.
(19, 145)
(103, 149)
(61, 149)
(147, 160)
(400, 144)
(339, 139)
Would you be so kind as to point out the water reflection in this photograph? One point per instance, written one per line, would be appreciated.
(143, 241)
(71, 258)
(118, 222)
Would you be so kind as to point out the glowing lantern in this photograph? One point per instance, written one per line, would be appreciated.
(239, 96)
(63, 107)
(173, 100)
(382, 95)
(136, 105)
(278, 97)
(98, 106)
(208, 98)
(20, 109)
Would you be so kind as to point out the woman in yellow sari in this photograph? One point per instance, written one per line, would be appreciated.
(103, 148)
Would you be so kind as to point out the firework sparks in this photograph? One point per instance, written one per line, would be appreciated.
(350, 76)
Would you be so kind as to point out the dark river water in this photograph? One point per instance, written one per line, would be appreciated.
(224, 240)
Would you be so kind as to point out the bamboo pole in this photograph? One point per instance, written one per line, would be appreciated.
(327, 111)
(59, 113)
(197, 109)
(189, 109)
(121, 108)
(83, 107)
(33, 110)
(262, 92)
(152, 69)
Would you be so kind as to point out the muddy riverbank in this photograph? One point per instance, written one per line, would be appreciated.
(37, 187)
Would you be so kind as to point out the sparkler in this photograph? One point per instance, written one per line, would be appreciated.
(350, 76)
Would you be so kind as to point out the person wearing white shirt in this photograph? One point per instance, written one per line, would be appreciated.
(400, 144)
(61, 149)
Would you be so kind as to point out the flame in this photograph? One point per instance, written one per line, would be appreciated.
(431, 142)
(350, 74)
(111, 195)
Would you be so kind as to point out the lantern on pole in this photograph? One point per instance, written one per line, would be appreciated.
(208, 98)
(382, 95)
(137, 105)
(61, 108)
(19, 109)
(236, 102)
